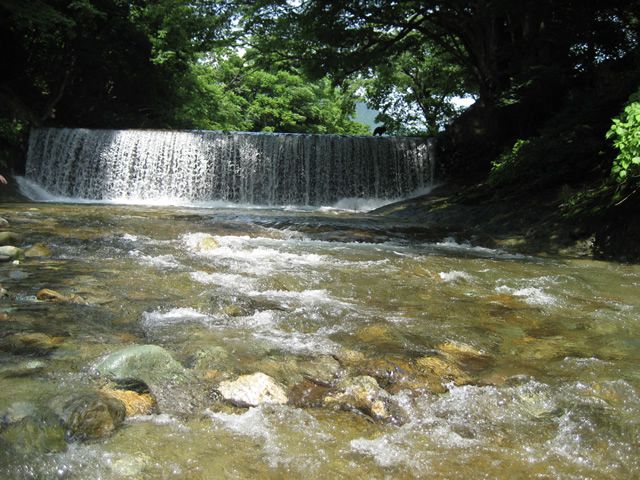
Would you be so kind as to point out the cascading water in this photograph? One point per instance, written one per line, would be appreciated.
(254, 168)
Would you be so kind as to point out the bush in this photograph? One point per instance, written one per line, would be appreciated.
(625, 134)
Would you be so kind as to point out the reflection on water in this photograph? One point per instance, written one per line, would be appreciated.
(474, 363)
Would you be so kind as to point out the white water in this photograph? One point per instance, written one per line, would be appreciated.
(186, 167)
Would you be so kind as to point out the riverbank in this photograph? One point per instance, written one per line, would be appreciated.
(559, 221)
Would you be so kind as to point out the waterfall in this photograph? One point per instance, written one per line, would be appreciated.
(254, 168)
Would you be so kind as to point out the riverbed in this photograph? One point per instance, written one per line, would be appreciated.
(484, 363)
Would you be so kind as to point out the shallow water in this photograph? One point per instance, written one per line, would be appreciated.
(542, 352)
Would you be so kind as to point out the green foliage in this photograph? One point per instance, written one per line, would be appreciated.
(414, 92)
(234, 93)
(625, 135)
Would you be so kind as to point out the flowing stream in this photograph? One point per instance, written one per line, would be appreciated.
(479, 363)
(133, 337)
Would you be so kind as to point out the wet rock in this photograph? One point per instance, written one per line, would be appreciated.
(135, 403)
(395, 375)
(22, 369)
(323, 369)
(252, 390)
(4, 258)
(3, 292)
(307, 394)
(207, 243)
(10, 251)
(466, 355)
(349, 357)
(34, 432)
(4, 222)
(460, 350)
(283, 368)
(535, 349)
(17, 411)
(48, 295)
(210, 358)
(92, 416)
(129, 465)
(365, 395)
(30, 343)
(37, 250)
(379, 334)
(149, 363)
(445, 370)
(10, 238)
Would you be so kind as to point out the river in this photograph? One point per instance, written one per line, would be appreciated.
(485, 363)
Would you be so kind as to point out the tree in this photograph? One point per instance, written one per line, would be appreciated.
(234, 93)
(522, 59)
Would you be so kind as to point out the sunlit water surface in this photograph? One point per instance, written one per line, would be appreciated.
(550, 390)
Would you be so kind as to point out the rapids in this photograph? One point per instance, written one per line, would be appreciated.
(542, 352)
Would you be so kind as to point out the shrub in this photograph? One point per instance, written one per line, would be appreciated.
(625, 134)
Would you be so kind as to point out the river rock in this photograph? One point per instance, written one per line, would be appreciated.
(365, 395)
(135, 403)
(22, 369)
(10, 251)
(322, 370)
(348, 357)
(445, 370)
(37, 250)
(395, 375)
(150, 363)
(206, 243)
(34, 432)
(48, 295)
(4, 222)
(464, 354)
(210, 358)
(92, 415)
(253, 390)
(307, 394)
(30, 343)
(10, 238)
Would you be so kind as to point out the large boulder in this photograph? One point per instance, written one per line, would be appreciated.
(150, 363)
(253, 390)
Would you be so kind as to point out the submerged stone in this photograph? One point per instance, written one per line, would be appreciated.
(444, 370)
(365, 395)
(253, 390)
(38, 250)
(10, 238)
(323, 369)
(30, 343)
(210, 358)
(36, 432)
(307, 394)
(149, 363)
(48, 295)
(92, 416)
